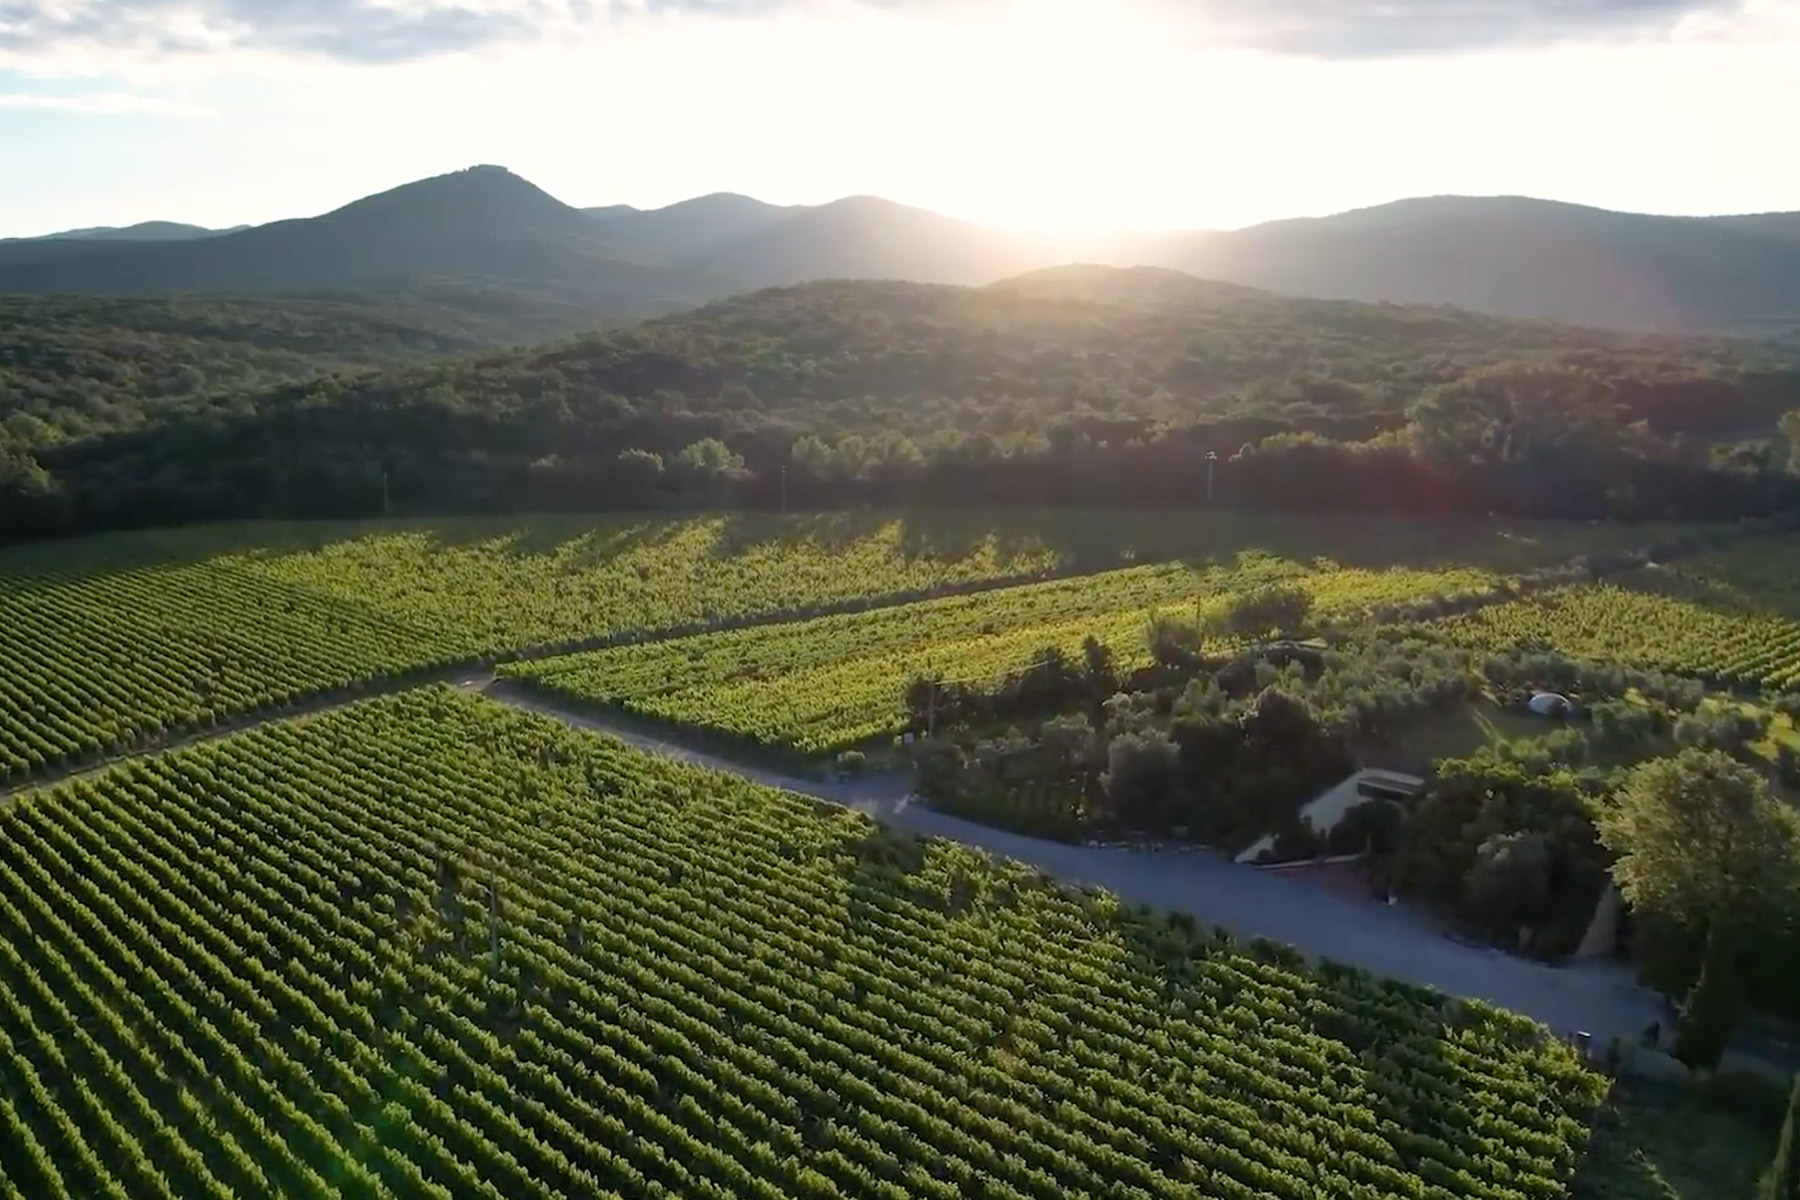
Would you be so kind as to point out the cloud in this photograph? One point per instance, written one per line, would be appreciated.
(386, 31)
(99, 103)
(368, 31)
(1390, 28)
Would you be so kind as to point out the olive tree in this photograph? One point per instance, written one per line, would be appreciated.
(1267, 611)
(1705, 843)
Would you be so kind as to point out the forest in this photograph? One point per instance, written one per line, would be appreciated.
(1072, 386)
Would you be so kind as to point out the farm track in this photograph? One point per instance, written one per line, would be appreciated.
(326, 702)
(1599, 998)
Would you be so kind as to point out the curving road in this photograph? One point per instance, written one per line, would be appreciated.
(1598, 998)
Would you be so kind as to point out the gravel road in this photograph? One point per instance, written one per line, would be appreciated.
(1598, 998)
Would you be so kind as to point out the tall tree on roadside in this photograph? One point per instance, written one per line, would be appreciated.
(1782, 1180)
(1704, 842)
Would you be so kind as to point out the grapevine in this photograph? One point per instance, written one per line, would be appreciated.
(828, 683)
(1728, 617)
(114, 643)
(427, 946)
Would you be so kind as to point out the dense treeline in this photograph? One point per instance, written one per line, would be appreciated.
(1076, 386)
(88, 365)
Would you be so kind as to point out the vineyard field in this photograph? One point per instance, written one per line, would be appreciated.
(107, 643)
(1731, 617)
(825, 684)
(111, 643)
(426, 946)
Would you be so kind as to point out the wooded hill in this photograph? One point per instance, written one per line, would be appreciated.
(1078, 385)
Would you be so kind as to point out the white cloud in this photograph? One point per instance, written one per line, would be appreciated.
(1049, 113)
(387, 31)
(101, 103)
(1364, 29)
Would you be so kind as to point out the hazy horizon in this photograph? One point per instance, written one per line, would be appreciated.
(1048, 234)
(1052, 115)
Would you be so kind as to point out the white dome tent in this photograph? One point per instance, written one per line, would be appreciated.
(1550, 704)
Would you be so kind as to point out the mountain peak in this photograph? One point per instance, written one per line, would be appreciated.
(485, 194)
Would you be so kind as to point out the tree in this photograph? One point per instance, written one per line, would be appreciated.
(1782, 1180)
(1516, 413)
(638, 472)
(27, 493)
(1173, 642)
(708, 468)
(1703, 842)
(1141, 780)
(1266, 611)
(813, 458)
(1790, 429)
(1509, 884)
(1097, 664)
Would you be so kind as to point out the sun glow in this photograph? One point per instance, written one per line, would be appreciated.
(1058, 106)
(1042, 115)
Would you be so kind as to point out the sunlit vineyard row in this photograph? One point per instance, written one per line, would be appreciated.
(1731, 617)
(426, 946)
(107, 643)
(110, 643)
(832, 682)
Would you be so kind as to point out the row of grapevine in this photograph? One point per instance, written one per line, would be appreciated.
(429, 947)
(832, 682)
(107, 644)
(1731, 617)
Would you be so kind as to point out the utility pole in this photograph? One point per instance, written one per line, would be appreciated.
(1212, 457)
(384, 492)
(784, 489)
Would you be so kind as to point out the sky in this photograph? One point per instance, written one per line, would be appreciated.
(1039, 114)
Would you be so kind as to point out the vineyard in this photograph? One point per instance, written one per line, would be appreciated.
(1731, 617)
(427, 947)
(110, 643)
(107, 643)
(828, 683)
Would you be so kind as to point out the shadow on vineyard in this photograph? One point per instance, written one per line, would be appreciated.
(1653, 1143)
(1076, 539)
(577, 543)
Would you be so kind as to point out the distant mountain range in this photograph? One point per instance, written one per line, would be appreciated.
(487, 228)
(143, 231)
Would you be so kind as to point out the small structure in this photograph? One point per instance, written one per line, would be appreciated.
(1550, 704)
(1325, 810)
(1376, 784)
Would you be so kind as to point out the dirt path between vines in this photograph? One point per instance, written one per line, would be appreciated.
(243, 722)
(1599, 998)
